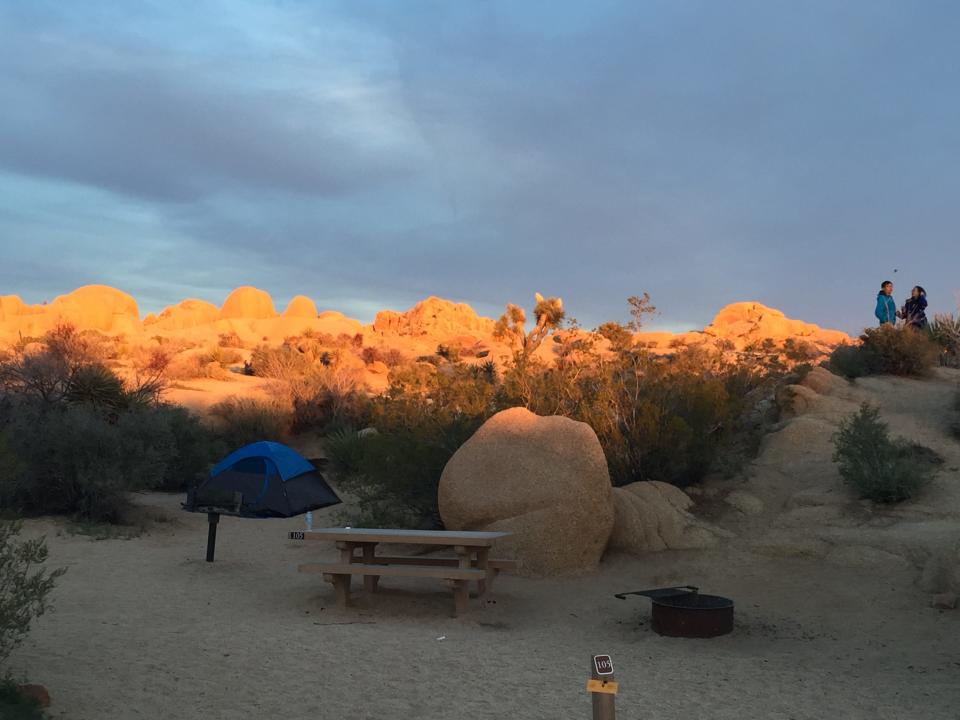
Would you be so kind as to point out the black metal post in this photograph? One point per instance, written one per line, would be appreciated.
(212, 518)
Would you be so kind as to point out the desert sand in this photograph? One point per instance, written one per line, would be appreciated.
(831, 618)
(144, 628)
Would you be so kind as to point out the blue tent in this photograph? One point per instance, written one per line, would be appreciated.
(273, 480)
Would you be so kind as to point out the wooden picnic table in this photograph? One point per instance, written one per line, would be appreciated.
(472, 561)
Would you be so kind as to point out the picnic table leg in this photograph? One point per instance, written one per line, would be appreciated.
(369, 581)
(341, 584)
(461, 596)
(212, 520)
(346, 557)
(483, 558)
(461, 588)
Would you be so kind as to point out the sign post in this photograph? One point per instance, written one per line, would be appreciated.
(602, 687)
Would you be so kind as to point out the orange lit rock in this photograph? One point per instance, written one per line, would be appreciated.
(96, 307)
(301, 307)
(248, 302)
(186, 314)
(436, 317)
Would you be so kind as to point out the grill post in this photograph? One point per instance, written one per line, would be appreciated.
(212, 520)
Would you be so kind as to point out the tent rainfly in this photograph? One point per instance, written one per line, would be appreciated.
(260, 480)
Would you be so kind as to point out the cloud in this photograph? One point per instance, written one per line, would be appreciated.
(380, 152)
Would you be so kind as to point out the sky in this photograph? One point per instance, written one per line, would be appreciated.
(369, 154)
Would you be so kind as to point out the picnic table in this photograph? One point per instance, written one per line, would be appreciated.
(358, 556)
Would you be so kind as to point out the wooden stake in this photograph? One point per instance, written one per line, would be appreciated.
(604, 707)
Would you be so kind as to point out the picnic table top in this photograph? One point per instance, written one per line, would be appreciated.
(412, 537)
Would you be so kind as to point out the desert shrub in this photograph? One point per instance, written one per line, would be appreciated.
(281, 363)
(851, 362)
(195, 366)
(193, 448)
(619, 335)
(75, 461)
(370, 355)
(451, 353)
(877, 467)
(241, 421)
(944, 330)
(398, 472)
(886, 350)
(345, 450)
(392, 357)
(424, 417)
(327, 399)
(14, 706)
(24, 585)
(230, 339)
(899, 351)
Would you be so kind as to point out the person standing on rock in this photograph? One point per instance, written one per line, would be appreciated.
(886, 311)
(914, 310)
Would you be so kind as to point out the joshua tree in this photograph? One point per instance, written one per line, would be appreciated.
(511, 326)
(639, 307)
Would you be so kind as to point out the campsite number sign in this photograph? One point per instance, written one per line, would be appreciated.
(295, 535)
(603, 665)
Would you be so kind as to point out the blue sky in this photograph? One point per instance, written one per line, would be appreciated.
(369, 154)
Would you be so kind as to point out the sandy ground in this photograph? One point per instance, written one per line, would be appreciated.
(144, 628)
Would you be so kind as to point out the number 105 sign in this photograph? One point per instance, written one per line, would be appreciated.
(603, 665)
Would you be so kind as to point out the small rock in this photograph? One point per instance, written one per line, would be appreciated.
(744, 502)
(367, 432)
(37, 693)
(944, 601)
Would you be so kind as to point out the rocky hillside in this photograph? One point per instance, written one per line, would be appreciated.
(792, 503)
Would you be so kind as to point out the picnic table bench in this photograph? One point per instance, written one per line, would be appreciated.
(471, 563)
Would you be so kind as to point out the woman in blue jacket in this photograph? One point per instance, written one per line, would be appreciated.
(886, 311)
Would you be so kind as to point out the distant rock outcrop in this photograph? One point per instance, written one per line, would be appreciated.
(543, 479)
(185, 315)
(96, 307)
(301, 307)
(248, 303)
(743, 324)
(435, 317)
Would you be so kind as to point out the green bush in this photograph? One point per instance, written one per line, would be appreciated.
(327, 399)
(944, 330)
(241, 421)
(281, 363)
(886, 350)
(24, 585)
(345, 451)
(398, 473)
(850, 361)
(877, 467)
(899, 351)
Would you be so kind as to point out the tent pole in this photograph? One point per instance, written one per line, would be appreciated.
(212, 518)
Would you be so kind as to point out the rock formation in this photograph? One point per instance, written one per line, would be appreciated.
(544, 479)
(655, 516)
(185, 315)
(248, 303)
(301, 307)
(436, 317)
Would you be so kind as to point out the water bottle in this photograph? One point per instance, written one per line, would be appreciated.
(309, 520)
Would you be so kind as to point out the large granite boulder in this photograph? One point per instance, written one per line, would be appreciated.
(544, 479)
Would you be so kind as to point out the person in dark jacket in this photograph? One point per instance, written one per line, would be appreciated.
(914, 310)
(886, 311)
